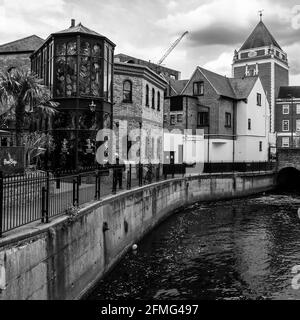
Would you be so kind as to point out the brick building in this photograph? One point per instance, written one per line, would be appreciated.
(262, 55)
(287, 115)
(167, 72)
(232, 112)
(138, 105)
(17, 53)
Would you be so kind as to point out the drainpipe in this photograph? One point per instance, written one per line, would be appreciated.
(233, 130)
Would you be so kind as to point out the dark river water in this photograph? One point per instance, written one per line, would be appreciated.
(236, 249)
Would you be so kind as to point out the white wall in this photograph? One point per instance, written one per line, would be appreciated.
(247, 143)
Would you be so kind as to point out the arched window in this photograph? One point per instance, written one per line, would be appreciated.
(158, 101)
(127, 91)
(153, 98)
(147, 95)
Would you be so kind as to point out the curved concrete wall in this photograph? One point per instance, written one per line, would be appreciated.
(65, 258)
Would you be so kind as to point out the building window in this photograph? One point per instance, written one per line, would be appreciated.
(285, 125)
(260, 146)
(153, 98)
(165, 118)
(258, 99)
(285, 109)
(249, 124)
(147, 95)
(298, 125)
(285, 142)
(127, 91)
(227, 119)
(198, 88)
(202, 119)
(158, 101)
(179, 117)
(298, 108)
(172, 119)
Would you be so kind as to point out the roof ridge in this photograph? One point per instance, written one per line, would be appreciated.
(12, 42)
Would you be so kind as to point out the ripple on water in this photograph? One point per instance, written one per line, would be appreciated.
(235, 249)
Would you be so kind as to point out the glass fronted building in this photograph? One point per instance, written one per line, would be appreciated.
(77, 65)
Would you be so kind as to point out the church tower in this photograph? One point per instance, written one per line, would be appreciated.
(262, 55)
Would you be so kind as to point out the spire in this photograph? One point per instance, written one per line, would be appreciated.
(260, 37)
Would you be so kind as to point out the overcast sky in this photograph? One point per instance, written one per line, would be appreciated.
(146, 28)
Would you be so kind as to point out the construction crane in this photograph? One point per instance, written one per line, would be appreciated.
(172, 47)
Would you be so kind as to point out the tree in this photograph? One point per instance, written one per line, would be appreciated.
(22, 93)
(36, 144)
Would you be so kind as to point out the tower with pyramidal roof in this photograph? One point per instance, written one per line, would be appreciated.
(262, 55)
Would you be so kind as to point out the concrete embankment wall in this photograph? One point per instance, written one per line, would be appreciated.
(65, 258)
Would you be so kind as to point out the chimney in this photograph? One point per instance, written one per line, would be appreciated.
(72, 23)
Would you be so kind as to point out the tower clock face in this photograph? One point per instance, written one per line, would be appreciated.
(252, 54)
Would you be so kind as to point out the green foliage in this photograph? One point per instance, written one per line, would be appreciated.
(22, 94)
(36, 144)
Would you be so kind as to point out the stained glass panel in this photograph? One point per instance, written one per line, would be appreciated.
(60, 49)
(60, 76)
(96, 77)
(71, 48)
(84, 76)
(71, 77)
(96, 50)
(85, 48)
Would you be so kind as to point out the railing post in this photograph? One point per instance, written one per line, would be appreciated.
(47, 197)
(158, 172)
(43, 204)
(173, 169)
(1, 202)
(140, 174)
(129, 177)
(77, 188)
(74, 192)
(114, 186)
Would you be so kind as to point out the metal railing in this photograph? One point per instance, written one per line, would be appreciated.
(43, 195)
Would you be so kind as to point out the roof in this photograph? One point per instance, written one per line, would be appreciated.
(288, 92)
(234, 88)
(119, 66)
(220, 83)
(260, 37)
(29, 44)
(79, 28)
(178, 85)
(242, 87)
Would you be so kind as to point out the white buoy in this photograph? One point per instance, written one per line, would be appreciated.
(299, 213)
(134, 247)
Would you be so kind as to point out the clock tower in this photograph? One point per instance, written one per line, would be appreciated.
(262, 56)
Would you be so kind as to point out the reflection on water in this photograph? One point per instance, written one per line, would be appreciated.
(237, 249)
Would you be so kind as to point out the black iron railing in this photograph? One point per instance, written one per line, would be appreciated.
(26, 198)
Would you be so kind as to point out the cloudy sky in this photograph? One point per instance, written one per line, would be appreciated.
(146, 28)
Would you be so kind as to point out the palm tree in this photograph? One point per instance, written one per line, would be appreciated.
(22, 93)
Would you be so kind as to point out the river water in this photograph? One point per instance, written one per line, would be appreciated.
(235, 249)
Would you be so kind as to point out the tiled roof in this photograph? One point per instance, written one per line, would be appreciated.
(242, 87)
(288, 92)
(79, 28)
(220, 83)
(234, 88)
(29, 44)
(260, 37)
(178, 85)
